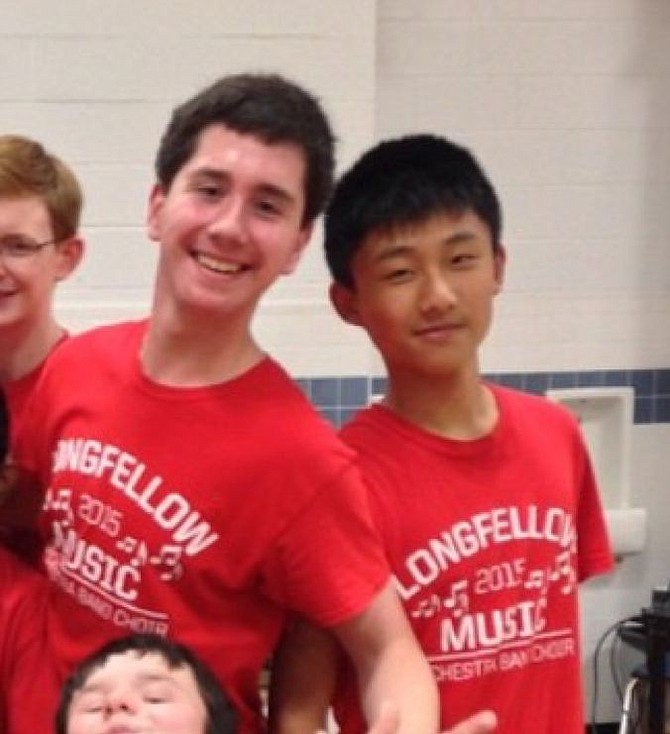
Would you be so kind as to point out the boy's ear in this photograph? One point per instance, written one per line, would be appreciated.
(499, 263)
(154, 206)
(70, 252)
(304, 236)
(345, 303)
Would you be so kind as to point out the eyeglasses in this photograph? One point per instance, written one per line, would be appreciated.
(17, 247)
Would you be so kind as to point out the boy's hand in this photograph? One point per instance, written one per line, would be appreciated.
(483, 722)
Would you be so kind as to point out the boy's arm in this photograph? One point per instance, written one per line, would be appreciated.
(390, 665)
(305, 667)
(302, 681)
(388, 661)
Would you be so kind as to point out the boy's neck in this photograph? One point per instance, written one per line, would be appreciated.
(195, 353)
(458, 407)
(25, 347)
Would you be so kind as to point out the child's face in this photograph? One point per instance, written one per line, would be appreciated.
(138, 694)
(230, 224)
(27, 283)
(424, 293)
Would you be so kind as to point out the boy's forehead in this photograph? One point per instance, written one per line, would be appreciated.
(18, 211)
(220, 138)
(220, 150)
(21, 200)
(450, 222)
(131, 661)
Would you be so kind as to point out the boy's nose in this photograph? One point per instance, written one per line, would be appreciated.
(436, 293)
(229, 220)
(121, 701)
(4, 264)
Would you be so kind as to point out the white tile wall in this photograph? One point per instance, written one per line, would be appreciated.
(565, 103)
(567, 106)
(96, 82)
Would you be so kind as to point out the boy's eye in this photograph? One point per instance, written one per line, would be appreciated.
(268, 208)
(18, 246)
(156, 694)
(91, 705)
(208, 190)
(398, 275)
(463, 259)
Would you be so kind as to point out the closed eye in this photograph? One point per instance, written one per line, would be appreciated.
(90, 705)
(155, 699)
(156, 692)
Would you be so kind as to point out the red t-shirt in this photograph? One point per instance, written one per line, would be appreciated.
(200, 513)
(28, 687)
(18, 391)
(487, 540)
(17, 531)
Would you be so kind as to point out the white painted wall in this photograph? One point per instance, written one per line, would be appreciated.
(96, 81)
(566, 102)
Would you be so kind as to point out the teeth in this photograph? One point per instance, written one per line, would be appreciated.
(218, 266)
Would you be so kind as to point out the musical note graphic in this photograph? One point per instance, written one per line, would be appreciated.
(168, 559)
(458, 602)
(137, 548)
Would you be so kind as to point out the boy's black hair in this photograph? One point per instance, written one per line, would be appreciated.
(267, 106)
(221, 717)
(403, 181)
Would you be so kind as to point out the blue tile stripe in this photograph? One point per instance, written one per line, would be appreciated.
(338, 398)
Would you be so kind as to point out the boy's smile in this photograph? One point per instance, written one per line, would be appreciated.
(217, 265)
(424, 293)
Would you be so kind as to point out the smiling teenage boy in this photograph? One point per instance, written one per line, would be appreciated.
(484, 497)
(191, 489)
(40, 206)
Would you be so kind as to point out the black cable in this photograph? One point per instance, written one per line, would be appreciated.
(635, 623)
(615, 627)
(614, 673)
